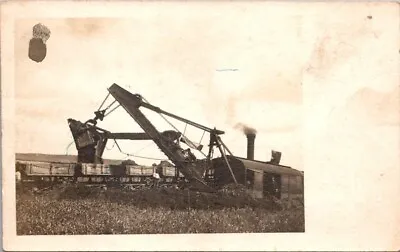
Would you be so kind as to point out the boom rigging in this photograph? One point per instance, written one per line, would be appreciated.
(91, 140)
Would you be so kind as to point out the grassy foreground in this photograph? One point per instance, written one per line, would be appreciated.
(79, 210)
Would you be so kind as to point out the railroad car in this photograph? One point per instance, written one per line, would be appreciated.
(95, 173)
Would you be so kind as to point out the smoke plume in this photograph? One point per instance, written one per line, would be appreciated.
(245, 129)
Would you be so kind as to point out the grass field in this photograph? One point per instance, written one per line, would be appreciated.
(81, 210)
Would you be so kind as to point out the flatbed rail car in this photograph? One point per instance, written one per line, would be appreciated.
(95, 173)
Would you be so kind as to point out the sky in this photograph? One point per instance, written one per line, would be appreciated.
(184, 64)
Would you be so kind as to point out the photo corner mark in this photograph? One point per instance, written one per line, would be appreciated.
(37, 44)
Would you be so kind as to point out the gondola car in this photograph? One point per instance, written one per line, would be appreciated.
(125, 172)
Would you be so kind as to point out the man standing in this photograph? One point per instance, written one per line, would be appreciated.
(156, 176)
(18, 176)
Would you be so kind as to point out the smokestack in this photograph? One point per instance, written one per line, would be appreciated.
(251, 135)
(250, 145)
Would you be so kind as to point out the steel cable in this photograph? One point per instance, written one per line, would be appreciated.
(173, 126)
(133, 155)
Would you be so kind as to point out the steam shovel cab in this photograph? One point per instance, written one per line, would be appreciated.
(262, 179)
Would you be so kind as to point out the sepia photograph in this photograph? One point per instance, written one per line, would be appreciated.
(163, 146)
(196, 126)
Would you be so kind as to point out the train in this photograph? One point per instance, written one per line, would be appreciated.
(126, 172)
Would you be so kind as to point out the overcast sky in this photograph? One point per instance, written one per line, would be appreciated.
(284, 62)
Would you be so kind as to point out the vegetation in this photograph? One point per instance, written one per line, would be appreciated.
(82, 210)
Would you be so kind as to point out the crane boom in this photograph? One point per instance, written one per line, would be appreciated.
(184, 160)
(91, 140)
(158, 110)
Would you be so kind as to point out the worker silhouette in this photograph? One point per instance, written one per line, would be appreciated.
(156, 176)
(18, 176)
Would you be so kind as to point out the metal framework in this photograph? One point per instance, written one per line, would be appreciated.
(91, 140)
